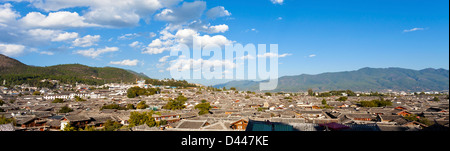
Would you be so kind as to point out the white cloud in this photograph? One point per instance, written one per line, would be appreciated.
(218, 11)
(110, 13)
(164, 59)
(86, 41)
(186, 36)
(47, 53)
(12, 50)
(135, 44)
(414, 29)
(65, 36)
(218, 28)
(199, 26)
(247, 57)
(7, 15)
(312, 55)
(280, 18)
(170, 41)
(128, 36)
(182, 64)
(62, 19)
(187, 11)
(43, 33)
(271, 55)
(92, 53)
(280, 2)
(126, 62)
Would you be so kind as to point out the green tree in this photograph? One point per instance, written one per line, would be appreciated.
(176, 104)
(203, 107)
(310, 92)
(111, 126)
(4, 120)
(436, 99)
(131, 95)
(142, 105)
(79, 99)
(324, 102)
(130, 107)
(90, 128)
(375, 103)
(342, 99)
(137, 118)
(268, 94)
(425, 121)
(69, 128)
(163, 122)
(58, 100)
(65, 109)
(36, 93)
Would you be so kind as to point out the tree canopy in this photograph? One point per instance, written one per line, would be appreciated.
(204, 107)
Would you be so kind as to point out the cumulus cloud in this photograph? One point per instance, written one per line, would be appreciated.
(7, 15)
(182, 64)
(62, 19)
(414, 29)
(86, 41)
(218, 11)
(125, 62)
(93, 53)
(12, 50)
(280, 2)
(199, 26)
(135, 44)
(186, 12)
(164, 59)
(66, 36)
(109, 13)
(170, 41)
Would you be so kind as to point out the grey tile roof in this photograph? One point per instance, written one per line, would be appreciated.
(7, 127)
(76, 118)
(191, 124)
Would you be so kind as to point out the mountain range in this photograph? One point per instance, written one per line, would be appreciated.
(12, 67)
(365, 79)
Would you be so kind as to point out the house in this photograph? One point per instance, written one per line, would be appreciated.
(388, 118)
(53, 125)
(26, 121)
(189, 125)
(98, 121)
(400, 108)
(144, 127)
(361, 117)
(75, 121)
(169, 117)
(7, 127)
(403, 113)
(218, 126)
(310, 114)
(239, 125)
(380, 111)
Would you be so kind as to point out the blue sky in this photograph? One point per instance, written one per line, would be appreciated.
(315, 36)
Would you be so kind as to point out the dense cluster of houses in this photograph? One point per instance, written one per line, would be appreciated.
(231, 111)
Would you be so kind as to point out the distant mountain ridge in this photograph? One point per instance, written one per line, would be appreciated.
(11, 67)
(365, 79)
